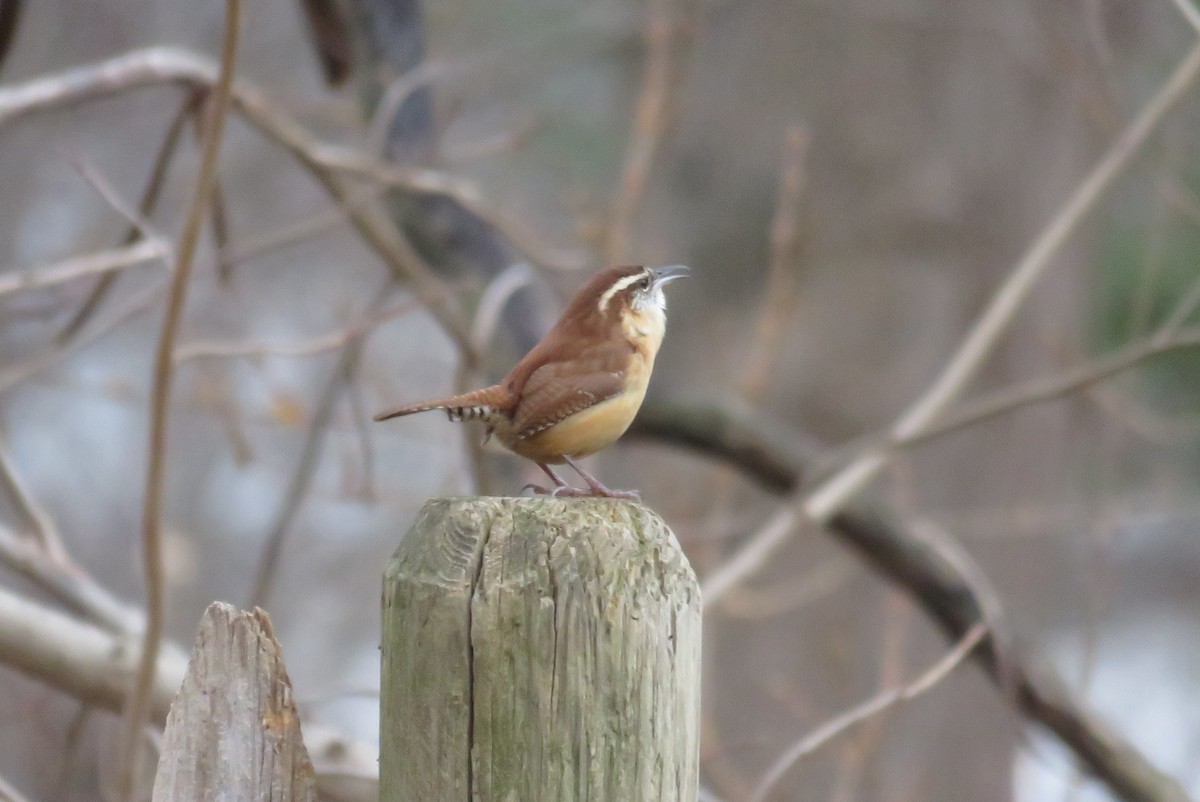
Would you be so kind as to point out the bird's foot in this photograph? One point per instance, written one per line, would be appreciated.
(566, 491)
(600, 491)
(595, 488)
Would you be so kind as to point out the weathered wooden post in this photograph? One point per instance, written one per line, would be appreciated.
(539, 650)
(233, 732)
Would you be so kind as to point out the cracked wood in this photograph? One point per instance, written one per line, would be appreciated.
(539, 649)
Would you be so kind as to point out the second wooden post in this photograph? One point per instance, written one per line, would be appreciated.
(539, 650)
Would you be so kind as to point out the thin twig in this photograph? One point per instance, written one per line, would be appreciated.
(779, 295)
(834, 727)
(150, 195)
(1040, 390)
(791, 593)
(497, 144)
(366, 448)
(326, 163)
(310, 346)
(342, 160)
(308, 227)
(771, 456)
(108, 193)
(897, 613)
(951, 551)
(779, 528)
(978, 345)
(43, 525)
(13, 375)
(821, 504)
(139, 705)
(220, 233)
(751, 557)
(310, 457)
(77, 267)
(650, 120)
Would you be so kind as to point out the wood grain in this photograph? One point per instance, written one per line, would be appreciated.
(233, 731)
(540, 650)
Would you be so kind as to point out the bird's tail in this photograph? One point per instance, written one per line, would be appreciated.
(475, 405)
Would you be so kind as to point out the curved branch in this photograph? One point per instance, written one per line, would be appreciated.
(776, 459)
(139, 704)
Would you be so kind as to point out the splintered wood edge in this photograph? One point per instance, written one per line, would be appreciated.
(233, 727)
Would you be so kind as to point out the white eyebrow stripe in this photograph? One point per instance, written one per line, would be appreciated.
(620, 285)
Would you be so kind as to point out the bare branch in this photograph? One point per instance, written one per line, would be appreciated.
(49, 355)
(824, 501)
(362, 425)
(219, 215)
(308, 227)
(978, 345)
(139, 704)
(836, 726)
(311, 346)
(165, 65)
(63, 581)
(77, 267)
(82, 660)
(150, 195)
(415, 179)
(237, 349)
(43, 525)
(310, 457)
(104, 188)
(751, 557)
(650, 120)
(1047, 389)
(780, 291)
(777, 459)
(789, 594)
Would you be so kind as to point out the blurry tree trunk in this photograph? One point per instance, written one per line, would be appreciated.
(541, 650)
(233, 731)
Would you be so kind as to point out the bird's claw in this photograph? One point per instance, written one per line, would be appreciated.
(566, 491)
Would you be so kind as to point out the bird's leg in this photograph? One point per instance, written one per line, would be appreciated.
(595, 486)
(559, 484)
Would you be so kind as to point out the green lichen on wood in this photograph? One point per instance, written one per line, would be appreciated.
(582, 663)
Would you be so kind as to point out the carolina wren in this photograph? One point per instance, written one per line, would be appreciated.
(579, 388)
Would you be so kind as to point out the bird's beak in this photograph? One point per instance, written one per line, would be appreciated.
(665, 275)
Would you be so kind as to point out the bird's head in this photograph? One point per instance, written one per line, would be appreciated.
(633, 297)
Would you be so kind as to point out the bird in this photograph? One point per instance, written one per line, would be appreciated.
(578, 389)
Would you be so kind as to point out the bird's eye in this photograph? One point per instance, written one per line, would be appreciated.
(644, 284)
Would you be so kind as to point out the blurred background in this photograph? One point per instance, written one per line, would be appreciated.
(851, 184)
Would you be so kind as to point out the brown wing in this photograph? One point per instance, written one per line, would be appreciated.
(558, 389)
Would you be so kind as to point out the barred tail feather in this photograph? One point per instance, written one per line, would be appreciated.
(475, 405)
(410, 409)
